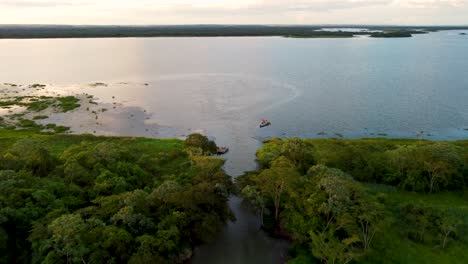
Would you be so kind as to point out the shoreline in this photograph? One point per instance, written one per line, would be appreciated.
(116, 117)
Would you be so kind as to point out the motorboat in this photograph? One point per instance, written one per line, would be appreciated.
(222, 150)
(264, 123)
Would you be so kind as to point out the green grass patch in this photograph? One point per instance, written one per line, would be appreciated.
(61, 129)
(37, 106)
(40, 117)
(392, 246)
(15, 116)
(37, 85)
(98, 84)
(6, 104)
(29, 124)
(68, 103)
(58, 143)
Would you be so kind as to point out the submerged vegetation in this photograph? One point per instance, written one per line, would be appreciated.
(364, 201)
(68, 103)
(39, 103)
(36, 104)
(87, 199)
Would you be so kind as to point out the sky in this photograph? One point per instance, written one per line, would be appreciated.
(163, 12)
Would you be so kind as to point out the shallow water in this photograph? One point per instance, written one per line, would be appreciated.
(356, 87)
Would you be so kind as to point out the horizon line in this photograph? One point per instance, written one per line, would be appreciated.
(216, 24)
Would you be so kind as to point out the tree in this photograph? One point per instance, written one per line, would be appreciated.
(256, 200)
(270, 151)
(199, 141)
(369, 215)
(440, 161)
(30, 155)
(298, 152)
(66, 237)
(350, 217)
(448, 224)
(428, 167)
(274, 182)
(107, 200)
(330, 249)
(418, 219)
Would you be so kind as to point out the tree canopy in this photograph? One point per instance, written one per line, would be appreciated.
(344, 201)
(84, 199)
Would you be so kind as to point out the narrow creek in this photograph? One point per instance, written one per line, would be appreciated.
(242, 241)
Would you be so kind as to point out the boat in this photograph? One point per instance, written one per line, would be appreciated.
(222, 150)
(264, 123)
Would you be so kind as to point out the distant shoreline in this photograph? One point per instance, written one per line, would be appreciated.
(59, 31)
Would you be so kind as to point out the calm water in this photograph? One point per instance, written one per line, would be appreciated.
(355, 87)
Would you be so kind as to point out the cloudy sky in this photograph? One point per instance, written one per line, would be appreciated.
(98, 12)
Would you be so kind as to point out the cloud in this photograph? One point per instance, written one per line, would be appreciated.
(271, 5)
(319, 5)
(432, 3)
(44, 4)
(252, 7)
(233, 11)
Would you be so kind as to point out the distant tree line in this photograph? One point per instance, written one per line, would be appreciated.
(58, 31)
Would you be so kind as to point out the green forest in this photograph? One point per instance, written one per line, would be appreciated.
(88, 199)
(363, 201)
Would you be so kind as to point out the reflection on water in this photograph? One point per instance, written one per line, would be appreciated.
(242, 242)
(227, 107)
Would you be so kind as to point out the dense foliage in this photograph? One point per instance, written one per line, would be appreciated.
(412, 165)
(86, 199)
(197, 143)
(345, 201)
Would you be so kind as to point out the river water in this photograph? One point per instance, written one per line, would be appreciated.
(360, 87)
